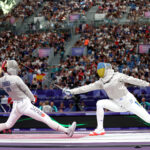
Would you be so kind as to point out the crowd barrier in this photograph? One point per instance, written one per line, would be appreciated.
(89, 98)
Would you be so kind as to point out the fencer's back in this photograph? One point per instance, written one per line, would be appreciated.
(11, 84)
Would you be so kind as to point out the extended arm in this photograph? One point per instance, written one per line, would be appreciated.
(131, 80)
(87, 88)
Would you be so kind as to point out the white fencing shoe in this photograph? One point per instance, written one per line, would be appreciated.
(71, 129)
(97, 132)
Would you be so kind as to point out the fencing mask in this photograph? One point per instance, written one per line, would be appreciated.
(103, 68)
(10, 66)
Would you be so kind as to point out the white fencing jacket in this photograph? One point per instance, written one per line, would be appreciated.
(15, 87)
(114, 85)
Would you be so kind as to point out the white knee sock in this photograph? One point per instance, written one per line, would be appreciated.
(100, 117)
(56, 126)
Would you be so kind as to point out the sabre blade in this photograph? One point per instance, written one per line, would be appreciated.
(58, 86)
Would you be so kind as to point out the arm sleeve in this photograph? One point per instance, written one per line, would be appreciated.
(87, 88)
(131, 80)
(23, 87)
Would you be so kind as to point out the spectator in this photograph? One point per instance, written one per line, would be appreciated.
(145, 104)
(82, 106)
(41, 103)
(54, 108)
(47, 108)
(61, 107)
(34, 84)
(70, 108)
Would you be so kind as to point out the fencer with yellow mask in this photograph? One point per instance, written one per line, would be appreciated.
(120, 99)
(102, 69)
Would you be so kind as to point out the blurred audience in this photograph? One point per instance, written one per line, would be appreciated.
(145, 104)
(62, 107)
(137, 9)
(27, 55)
(41, 103)
(113, 9)
(54, 108)
(117, 44)
(47, 108)
(82, 106)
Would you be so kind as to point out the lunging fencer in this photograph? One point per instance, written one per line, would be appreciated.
(120, 99)
(22, 98)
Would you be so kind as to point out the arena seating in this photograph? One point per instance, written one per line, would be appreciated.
(116, 43)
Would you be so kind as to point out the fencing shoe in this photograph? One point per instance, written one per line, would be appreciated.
(71, 129)
(97, 132)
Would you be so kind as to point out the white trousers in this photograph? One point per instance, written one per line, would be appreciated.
(25, 107)
(124, 104)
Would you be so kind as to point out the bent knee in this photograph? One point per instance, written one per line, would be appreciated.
(9, 125)
(100, 103)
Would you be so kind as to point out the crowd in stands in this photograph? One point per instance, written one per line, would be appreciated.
(26, 8)
(113, 8)
(58, 12)
(22, 48)
(54, 11)
(50, 106)
(117, 44)
(21, 12)
(137, 9)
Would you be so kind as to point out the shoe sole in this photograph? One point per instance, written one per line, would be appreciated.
(96, 134)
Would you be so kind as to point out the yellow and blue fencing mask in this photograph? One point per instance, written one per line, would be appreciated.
(102, 69)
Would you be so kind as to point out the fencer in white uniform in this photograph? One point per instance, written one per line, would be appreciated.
(120, 99)
(22, 100)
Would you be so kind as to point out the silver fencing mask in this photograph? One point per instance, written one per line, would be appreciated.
(12, 67)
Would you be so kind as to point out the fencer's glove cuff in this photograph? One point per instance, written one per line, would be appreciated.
(67, 93)
(35, 100)
(10, 100)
